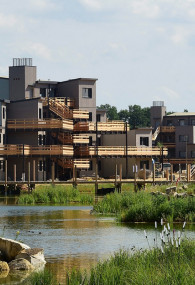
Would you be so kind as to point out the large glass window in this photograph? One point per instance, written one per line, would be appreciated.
(182, 154)
(183, 138)
(90, 116)
(182, 122)
(144, 141)
(193, 153)
(87, 92)
(43, 92)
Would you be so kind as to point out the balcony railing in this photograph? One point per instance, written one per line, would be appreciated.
(70, 163)
(112, 126)
(119, 151)
(40, 124)
(28, 150)
(167, 129)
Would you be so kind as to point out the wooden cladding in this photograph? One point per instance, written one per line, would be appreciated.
(119, 151)
(70, 163)
(28, 150)
(40, 124)
(112, 126)
(167, 129)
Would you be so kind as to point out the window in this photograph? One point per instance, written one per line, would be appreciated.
(90, 140)
(99, 165)
(169, 123)
(183, 138)
(42, 165)
(182, 154)
(146, 162)
(90, 116)
(144, 141)
(90, 165)
(87, 92)
(3, 113)
(41, 140)
(3, 138)
(182, 122)
(43, 92)
(193, 153)
(193, 122)
(0, 138)
(98, 118)
(40, 113)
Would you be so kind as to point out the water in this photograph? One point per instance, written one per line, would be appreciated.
(71, 236)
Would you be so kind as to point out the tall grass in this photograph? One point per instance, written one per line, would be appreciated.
(174, 266)
(55, 195)
(144, 207)
(41, 278)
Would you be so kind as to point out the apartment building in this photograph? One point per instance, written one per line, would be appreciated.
(176, 132)
(45, 122)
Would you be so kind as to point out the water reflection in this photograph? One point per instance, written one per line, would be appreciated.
(71, 236)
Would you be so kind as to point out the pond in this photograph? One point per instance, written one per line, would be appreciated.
(71, 236)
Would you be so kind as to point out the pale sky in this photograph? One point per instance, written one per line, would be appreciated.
(140, 50)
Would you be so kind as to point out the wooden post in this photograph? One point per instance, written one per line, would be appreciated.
(5, 177)
(121, 177)
(135, 178)
(15, 176)
(29, 177)
(153, 173)
(96, 178)
(167, 174)
(115, 176)
(171, 173)
(188, 174)
(53, 173)
(34, 175)
(75, 176)
(144, 175)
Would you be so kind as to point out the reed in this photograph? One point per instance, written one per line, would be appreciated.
(55, 195)
(173, 266)
(144, 207)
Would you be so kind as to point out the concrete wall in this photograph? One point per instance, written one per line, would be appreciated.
(69, 89)
(103, 117)
(133, 138)
(4, 88)
(156, 115)
(20, 77)
(175, 120)
(26, 109)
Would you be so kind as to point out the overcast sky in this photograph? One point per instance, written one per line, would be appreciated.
(140, 50)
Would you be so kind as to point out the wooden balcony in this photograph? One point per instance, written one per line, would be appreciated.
(69, 163)
(64, 138)
(28, 150)
(45, 124)
(112, 126)
(80, 114)
(109, 151)
(167, 129)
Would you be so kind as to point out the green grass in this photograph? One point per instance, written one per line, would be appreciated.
(144, 207)
(146, 267)
(55, 195)
(149, 267)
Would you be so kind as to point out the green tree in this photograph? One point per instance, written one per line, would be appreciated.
(112, 113)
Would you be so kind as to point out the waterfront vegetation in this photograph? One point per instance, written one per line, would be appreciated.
(144, 207)
(55, 195)
(172, 265)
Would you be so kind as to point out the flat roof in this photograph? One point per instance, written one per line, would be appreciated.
(47, 82)
(181, 114)
(82, 79)
(4, 77)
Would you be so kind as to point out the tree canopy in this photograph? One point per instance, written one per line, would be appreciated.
(135, 115)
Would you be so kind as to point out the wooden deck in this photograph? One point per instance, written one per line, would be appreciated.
(28, 150)
(112, 126)
(32, 124)
(108, 151)
(71, 163)
(167, 129)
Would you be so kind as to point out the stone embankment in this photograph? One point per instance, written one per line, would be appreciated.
(16, 257)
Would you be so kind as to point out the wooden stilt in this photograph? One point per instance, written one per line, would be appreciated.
(5, 177)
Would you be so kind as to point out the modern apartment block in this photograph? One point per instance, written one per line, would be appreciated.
(176, 132)
(45, 122)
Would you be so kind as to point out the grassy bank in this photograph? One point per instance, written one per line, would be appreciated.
(55, 195)
(173, 265)
(144, 207)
